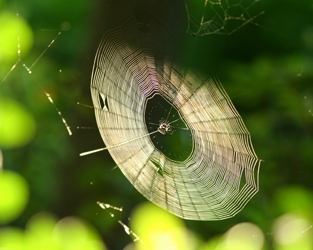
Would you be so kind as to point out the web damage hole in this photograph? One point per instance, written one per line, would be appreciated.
(103, 101)
(243, 180)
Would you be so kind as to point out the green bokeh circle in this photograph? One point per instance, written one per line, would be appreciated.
(13, 196)
(14, 30)
(17, 125)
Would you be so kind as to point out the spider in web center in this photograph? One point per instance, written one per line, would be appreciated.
(164, 127)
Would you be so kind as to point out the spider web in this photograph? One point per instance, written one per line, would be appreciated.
(30, 62)
(23, 63)
(218, 171)
(220, 16)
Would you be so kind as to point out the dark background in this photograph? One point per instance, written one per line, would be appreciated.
(265, 67)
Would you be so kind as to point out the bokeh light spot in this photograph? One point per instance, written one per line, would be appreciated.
(244, 236)
(14, 30)
(17, 124)
(13, 195)
(72, 233)
(159, 229)
(11, 238)
(295, 198)
(39, 233)
(292, 231)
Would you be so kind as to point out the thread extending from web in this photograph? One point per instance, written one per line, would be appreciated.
(117, 145)
(127, 230)
(30, 72)
(134, 64)
(218, 16)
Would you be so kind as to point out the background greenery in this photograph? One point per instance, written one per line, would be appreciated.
(266, 69)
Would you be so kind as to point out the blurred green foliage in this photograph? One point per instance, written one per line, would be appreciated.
(43, 231)
(266, 69)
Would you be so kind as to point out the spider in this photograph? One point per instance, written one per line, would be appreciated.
(164, 127)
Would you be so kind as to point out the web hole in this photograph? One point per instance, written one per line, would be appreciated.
(103, 101)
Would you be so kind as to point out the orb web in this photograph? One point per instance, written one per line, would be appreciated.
(145, 88)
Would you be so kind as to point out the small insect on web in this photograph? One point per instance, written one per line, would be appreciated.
(170, 126)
